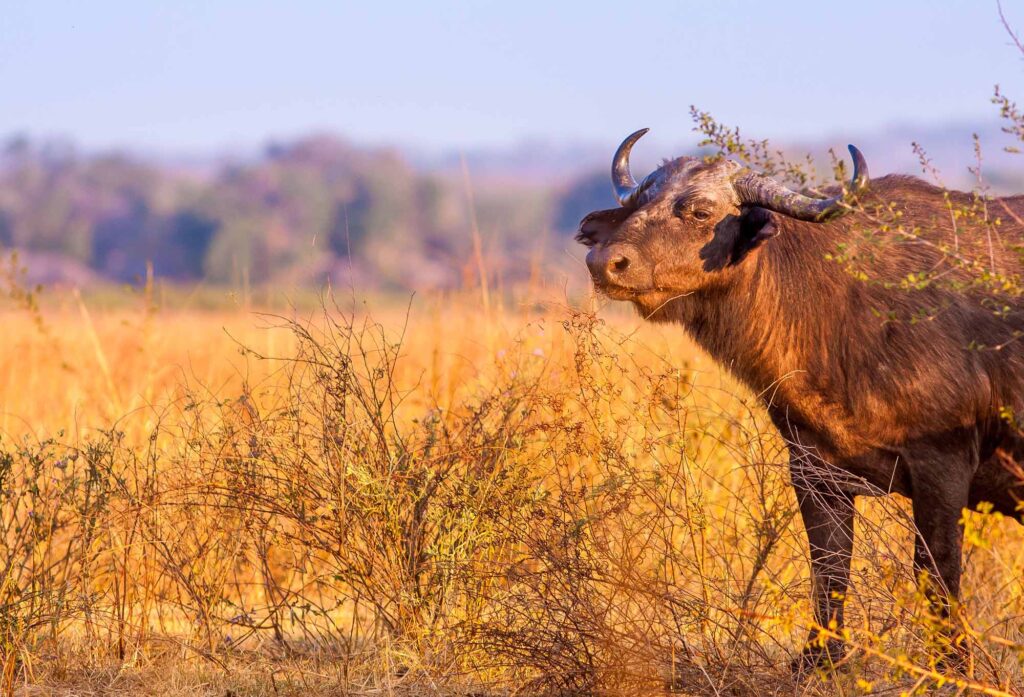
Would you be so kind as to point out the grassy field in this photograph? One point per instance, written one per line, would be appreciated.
(441, 498)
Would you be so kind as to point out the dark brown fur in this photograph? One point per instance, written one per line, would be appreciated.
(877, 389)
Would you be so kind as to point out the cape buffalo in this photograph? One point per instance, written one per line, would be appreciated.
(878, 385)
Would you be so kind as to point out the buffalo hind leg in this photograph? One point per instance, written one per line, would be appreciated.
(938, 507)
(828, 518)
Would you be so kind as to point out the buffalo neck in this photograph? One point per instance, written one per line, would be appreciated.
(779, 312)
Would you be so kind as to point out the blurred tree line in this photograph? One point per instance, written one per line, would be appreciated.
(303, 211)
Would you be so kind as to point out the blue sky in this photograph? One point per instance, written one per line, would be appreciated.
(195, 76)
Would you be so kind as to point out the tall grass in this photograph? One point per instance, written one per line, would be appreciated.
(440, 500)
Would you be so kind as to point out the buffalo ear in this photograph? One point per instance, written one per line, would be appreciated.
(756, 226)
(598, 225)
(738, 235)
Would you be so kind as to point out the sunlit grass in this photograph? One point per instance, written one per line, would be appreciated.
(426, 497)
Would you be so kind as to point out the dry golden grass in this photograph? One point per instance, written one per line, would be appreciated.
(434, 499)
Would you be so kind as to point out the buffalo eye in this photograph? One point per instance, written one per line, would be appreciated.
(687, 207)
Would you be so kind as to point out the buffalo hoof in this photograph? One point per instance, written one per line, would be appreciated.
(816, 658)
(955, 659)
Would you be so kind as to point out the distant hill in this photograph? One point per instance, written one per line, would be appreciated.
(950, 147)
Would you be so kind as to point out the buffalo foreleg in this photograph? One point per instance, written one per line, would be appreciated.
(828, 518)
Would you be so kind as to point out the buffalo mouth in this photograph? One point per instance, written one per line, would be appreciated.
(648, 301)
(617, 292)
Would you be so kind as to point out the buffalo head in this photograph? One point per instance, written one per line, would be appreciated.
(687, 224)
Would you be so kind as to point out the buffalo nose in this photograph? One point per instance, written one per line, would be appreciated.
(617, 264)
(612, 264)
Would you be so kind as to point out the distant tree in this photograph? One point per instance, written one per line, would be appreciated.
(183, 243)
(239, 248)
